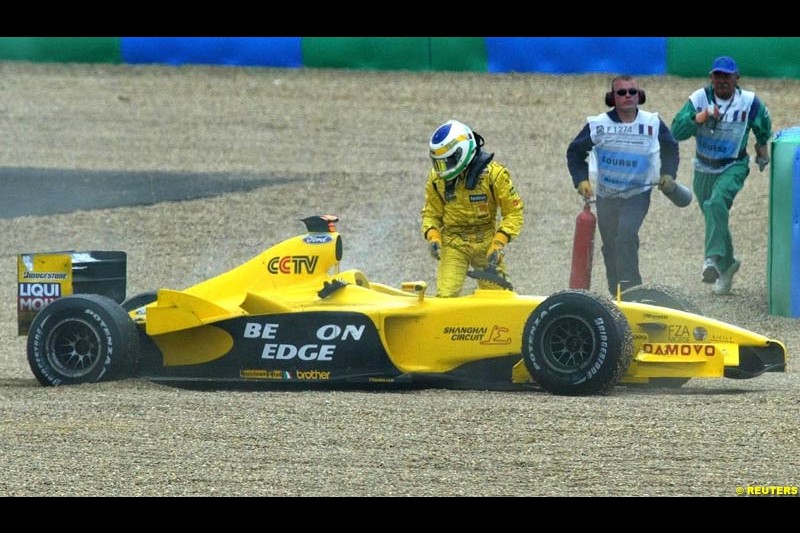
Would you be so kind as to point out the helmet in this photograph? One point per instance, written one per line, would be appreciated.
(452, 147)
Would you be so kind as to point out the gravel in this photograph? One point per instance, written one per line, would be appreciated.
(353, 143)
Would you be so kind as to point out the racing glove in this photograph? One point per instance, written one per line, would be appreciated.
(585, 189)
(762, 161)
(495, 251)
(434, 242)
(666, 184)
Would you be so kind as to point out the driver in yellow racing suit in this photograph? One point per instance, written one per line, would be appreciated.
(464, 191)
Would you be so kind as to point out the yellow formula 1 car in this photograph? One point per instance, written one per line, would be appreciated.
(290, 318)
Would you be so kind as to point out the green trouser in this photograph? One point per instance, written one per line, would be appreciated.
(715, 194)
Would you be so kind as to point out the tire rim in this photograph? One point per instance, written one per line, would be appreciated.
(569, 344)
(73, 348)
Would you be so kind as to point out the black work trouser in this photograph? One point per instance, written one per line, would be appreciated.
(619, 221)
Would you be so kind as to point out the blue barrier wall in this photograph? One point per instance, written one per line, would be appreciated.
(576, 55)
(240, 51)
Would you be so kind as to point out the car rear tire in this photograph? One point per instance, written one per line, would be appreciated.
(139, 300)
(82, 338)
(577, 343)
(149, 356)
(663, 296)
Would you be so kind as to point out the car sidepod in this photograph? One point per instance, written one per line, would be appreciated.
(309, 348)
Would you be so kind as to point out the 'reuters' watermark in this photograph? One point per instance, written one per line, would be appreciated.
(767, 490)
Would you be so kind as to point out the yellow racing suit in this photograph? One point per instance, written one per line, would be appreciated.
(467, 220)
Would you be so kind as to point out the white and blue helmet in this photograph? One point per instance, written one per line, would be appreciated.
(452, 147)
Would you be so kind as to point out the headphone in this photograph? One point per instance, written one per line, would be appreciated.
(610, 98)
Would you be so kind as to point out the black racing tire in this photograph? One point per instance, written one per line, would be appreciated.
(149, 356)
(577, 342)
(664, 296)
(82, 338)
(138, 300)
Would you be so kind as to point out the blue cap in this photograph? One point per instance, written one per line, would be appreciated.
(724, 64)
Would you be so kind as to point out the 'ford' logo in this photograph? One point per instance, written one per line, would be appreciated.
(317, 239)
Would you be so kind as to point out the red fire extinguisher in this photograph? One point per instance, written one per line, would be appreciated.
(583, 249)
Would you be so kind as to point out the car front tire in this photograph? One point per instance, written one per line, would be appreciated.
(577, 343)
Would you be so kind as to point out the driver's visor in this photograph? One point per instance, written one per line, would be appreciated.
(448, 163)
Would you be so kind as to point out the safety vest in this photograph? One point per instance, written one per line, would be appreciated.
(719, 141)
(625, 159)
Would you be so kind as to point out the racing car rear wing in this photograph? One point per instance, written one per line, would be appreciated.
(46, 276)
